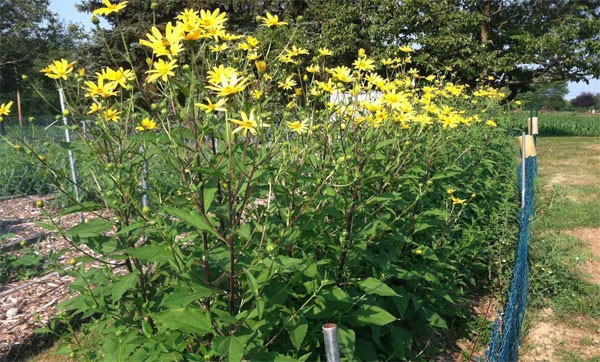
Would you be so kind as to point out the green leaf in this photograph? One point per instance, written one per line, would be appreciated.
(230, 346)
(297, 332)
(347, 342)
(152, 252)
(88, 229)
(376, 287)
(210, 190)
(435, 320)
(251, 282)
(192, 218)
(182, 297)
(191, 320)
(123, 284)
(372, 314)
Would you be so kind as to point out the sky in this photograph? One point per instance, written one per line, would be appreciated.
(68, 13)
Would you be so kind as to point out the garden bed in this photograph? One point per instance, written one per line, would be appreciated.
(28, 303)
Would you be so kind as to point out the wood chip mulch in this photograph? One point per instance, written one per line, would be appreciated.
(26, 305)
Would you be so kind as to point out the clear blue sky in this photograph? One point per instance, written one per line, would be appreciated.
(67, 12)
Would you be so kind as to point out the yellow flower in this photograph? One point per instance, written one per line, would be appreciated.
(257, 94)
(313, 68)
(229, 85)
(457, 201)
(95, 107)
(210, 107)
(253, 56)
(169, 44)
(406, 49)
(111, 114)
(248, 123)
(491, 123)
(288, 84)
(110, 8)
(450, 191)
(296, 51)
(219, 48)
(342, 73)
(261, 65)
(100, 89)
(120, 76)
(161, 70)
(214, 20)
(518, 103)
(214, 75)
(5, 108)
(251, 43)
(299, 127)
(146, 124)
(81, 72)
(325, 52)
(364, 64)
(59, 69)
(272, 20)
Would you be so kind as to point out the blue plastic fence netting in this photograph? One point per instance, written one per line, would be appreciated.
(506, 335)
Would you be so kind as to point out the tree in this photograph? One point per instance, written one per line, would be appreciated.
(504, 42)
(585, 100)
(549, 96)
(30, 37)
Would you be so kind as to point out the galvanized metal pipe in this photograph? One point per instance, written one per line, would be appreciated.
(332, 347)
(70, 152)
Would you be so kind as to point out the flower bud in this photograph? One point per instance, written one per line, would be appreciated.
(154, 6)
(24, 76)
(95, 20)
(39, 203)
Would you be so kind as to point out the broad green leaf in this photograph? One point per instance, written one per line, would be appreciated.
(192, 218)
(377, 287)
(230, 346)
(191, 320)
(297, 332)
(435, 320)
(183, 296)
(210, 190)
(123, 284)
(372, 314)
(347, 342)
(88, 229)
(152, 252)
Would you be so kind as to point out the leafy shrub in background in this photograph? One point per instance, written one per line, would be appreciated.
(283, 209)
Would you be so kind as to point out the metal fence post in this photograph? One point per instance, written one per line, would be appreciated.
(70, 152)
(332, 347)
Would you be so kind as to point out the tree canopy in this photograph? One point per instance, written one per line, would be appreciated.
(30, 37)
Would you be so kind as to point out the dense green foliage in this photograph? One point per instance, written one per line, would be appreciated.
(557, 123)
(284, 209)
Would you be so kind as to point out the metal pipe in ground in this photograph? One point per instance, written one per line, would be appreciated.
(332, 346)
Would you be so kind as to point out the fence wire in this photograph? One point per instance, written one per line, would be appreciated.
(506, 335)
(20, 172)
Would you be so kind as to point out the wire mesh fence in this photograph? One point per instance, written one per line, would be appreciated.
(25, 145)
(506, 335)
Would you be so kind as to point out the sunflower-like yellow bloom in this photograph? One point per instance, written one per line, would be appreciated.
(169, 44)
(229, 85)
(110, 8)
(5, 108)
(59, 69)
(214, 20)
(248, 123)
(299, 127)
(100, 89)
(288, 84)
(261, 65)
(210, 107)
(342, 74)
(214, 75)
(146, 124)
(120, 76)
(111, 114)
(364, 64)
(95, 108)
(406, 49)
(162, 70)
(325, 52)
(272, 20)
